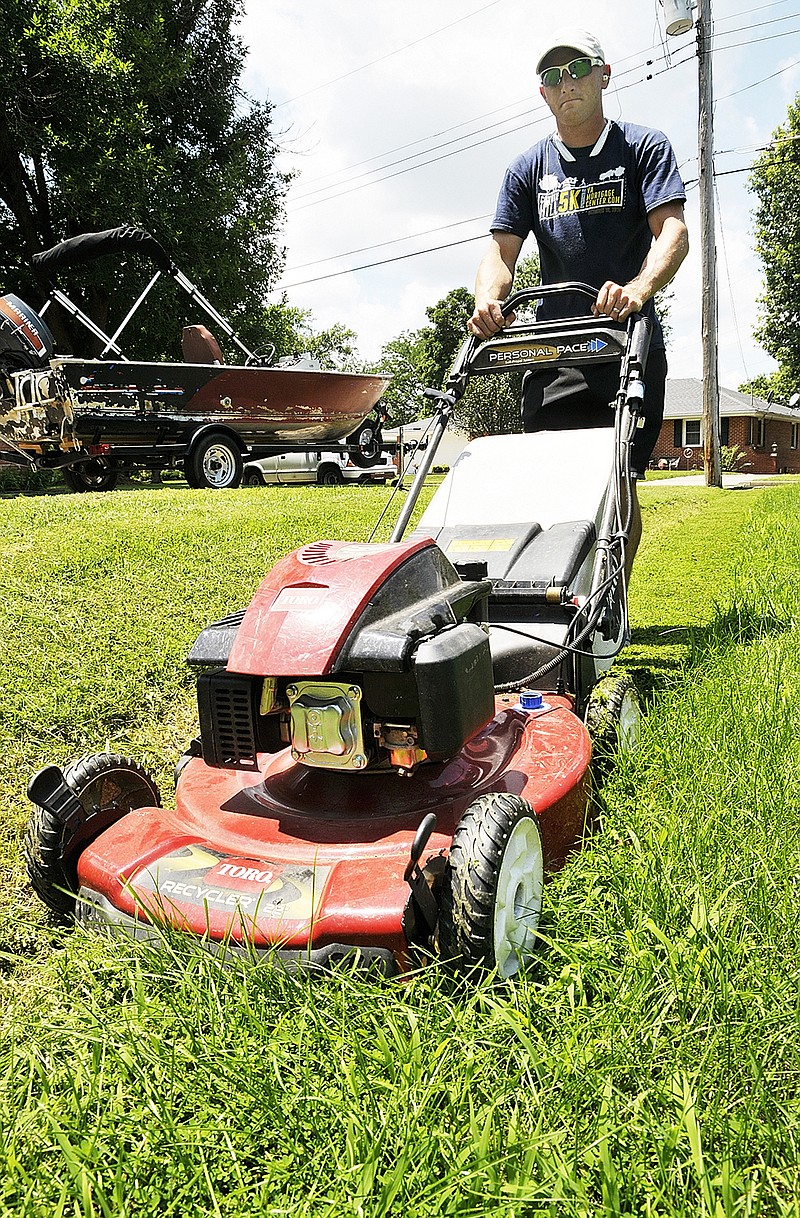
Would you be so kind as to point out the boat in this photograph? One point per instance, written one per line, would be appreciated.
(93, 417)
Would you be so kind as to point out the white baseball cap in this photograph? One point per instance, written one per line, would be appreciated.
(574, 40)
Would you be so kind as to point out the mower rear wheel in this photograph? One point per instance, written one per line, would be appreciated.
(107, 787)
(492, 887)
(613, 718)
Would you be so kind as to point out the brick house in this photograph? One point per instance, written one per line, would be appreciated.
(768, 433)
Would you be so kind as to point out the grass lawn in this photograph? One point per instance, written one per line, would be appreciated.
(649, 1063)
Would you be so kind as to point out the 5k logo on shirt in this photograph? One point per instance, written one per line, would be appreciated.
(569, 197)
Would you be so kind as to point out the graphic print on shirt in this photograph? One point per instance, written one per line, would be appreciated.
(569, 197)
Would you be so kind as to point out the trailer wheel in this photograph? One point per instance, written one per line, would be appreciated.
(330, 475)
(368, 441)
(492, 887)
(613, 717)
(214, 464)
(97, 474)
(107, 787)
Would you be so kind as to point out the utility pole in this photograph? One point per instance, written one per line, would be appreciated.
(711, 453)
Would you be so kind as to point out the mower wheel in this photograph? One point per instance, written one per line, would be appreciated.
(107, 787)
(492, 887)
(612, 717)
(369, 443)
(215, 464)
(98, 474)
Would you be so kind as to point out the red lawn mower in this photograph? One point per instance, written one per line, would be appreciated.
(395, 739)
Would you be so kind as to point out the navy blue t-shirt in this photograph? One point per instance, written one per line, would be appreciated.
(588, 207)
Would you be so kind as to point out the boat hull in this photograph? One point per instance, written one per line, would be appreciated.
(156, 402)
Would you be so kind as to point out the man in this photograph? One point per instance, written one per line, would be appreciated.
(604, 201)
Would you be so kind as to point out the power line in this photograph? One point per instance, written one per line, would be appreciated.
(731, 46)
(464, 241)
(745, 12)
(380, 244)
(545, 116)
(758, 25)
(539, 109)
(389, 54)
(761, 81)
(618, 75)
(689, 184)
(381, 262)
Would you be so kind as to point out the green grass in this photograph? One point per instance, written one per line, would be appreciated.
(649, 1064)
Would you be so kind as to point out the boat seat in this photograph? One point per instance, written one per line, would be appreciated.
(200, 347)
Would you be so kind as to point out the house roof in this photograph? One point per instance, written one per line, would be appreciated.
(684, 400)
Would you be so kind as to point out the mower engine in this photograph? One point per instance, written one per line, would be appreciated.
(355, 656)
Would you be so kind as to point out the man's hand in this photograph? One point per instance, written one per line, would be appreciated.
(493, 283)
(618, 302)
(670, 247)
(488, 319)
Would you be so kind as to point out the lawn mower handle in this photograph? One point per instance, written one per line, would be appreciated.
(524, 295)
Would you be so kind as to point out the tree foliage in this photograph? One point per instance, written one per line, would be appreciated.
(420, 359)
(131, 112)
(775, 181)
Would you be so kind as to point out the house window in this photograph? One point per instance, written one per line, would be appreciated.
(725, 431)
(755, 433)
(793, 437)
(691, 433)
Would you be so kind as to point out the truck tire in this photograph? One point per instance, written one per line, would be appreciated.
(253, 477)
(214, 463)
(97, 474)
(329, 475)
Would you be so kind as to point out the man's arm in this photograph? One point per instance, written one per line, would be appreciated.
(493, 283)
(670, 247)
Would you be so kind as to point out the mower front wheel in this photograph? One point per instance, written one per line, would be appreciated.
(106, 787)
(492, 887)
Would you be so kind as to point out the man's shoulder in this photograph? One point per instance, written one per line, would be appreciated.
(531, 156)
(636, 136)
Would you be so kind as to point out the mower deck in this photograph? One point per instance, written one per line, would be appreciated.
(304, 861)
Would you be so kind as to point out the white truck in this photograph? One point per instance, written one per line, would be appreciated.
(330, 468)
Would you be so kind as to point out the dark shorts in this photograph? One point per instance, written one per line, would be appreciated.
(561, 399)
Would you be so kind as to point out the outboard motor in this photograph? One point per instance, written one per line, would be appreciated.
(25, 340)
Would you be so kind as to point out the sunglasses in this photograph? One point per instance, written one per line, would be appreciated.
(577, 69)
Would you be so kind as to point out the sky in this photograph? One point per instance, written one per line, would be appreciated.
(398, 121)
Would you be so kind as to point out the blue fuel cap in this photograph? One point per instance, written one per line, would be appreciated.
(531, 700)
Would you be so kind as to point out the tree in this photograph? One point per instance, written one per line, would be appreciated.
(492, 404)
(401, 359)
(775, 181)
(439, 342)
(420, 359)
(131, 112)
